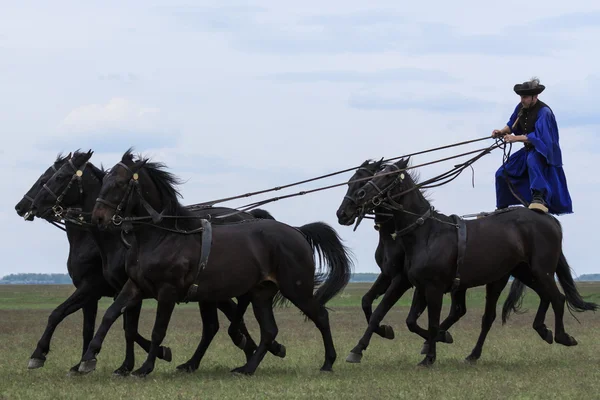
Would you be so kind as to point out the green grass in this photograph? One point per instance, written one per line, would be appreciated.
(515, 362)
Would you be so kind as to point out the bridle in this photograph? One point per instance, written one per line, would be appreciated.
(77, 174)
(133, 186)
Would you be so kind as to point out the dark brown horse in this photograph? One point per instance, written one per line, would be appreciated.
(96, 262)
(445, 253)
(260, 258)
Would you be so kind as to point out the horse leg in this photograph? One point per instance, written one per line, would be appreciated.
(416, 309)
(548, 285)
(210, 327)
(538, 323)
(90, 310)
(379, 287)
(458, 309)
(400, 284)
(239, 333)
(262, 305)
(131, 319)
(164, 353)
(317, 313)
(167, 297)
(492, 294)
(434, 298)
(84, 294)
(129, 297)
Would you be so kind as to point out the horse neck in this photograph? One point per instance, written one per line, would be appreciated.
(414, 204)
(162, 205)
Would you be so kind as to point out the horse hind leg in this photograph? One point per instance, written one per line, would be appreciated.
(262, 305)
(549, 290)
(525, 276)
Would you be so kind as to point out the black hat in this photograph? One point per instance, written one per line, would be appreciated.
(529, 88)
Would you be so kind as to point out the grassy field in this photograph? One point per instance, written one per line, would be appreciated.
(515, 363)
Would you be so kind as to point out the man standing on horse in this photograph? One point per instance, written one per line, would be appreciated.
(535, 172)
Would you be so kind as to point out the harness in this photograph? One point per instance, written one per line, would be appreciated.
(117, 219)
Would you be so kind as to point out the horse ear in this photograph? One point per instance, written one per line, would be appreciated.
(69, 155)
(403, 163)
(88, 155)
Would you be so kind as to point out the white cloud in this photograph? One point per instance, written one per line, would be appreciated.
(118, 115)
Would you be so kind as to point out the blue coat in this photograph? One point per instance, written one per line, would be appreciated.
(538, 168)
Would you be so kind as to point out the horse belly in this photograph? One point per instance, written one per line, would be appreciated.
(232, 269)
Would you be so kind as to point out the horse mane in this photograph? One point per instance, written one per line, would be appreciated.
(164, 181)
(415, 177)
(60, 158)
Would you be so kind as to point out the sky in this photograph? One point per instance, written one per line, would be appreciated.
(241, 96)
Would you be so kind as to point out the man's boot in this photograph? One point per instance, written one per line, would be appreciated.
(538, 203)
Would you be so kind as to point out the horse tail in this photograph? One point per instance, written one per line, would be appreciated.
(329, 247)
(574, 300)
(260, 213)
(514, 300)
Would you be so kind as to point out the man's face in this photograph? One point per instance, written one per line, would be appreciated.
(528, 101)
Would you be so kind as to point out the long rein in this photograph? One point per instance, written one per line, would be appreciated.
(386, 200)
(156, 217)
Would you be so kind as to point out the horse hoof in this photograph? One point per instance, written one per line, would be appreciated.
(242, 343)
(566, 340)
(121, 372)
(326, 369)
(425, 348)
(35, 363)
(241, 371)
(448, 338)
(140, 373)
(548, 337)
(388, 332)
(472, 360)
(186, 368)
(87, 366)
(167, 354)
(426, 363)
(282, 351)
(354, 358)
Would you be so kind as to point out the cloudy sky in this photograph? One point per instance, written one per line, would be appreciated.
(242, 96)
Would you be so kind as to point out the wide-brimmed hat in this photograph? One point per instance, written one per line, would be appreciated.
(529, 88)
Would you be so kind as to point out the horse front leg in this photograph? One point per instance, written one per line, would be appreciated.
(85, 293)
(400, 284)
(129, 297)
(167, 297)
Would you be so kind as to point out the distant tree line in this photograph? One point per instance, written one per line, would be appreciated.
(65, 279)
(36, 279)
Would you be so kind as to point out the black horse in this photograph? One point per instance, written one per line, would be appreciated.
(96, 262)
(389, 256)
(261, 257)
(445, 253)
(84, 266)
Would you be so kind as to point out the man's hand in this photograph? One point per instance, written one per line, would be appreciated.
(496, 133)
(513, 138)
